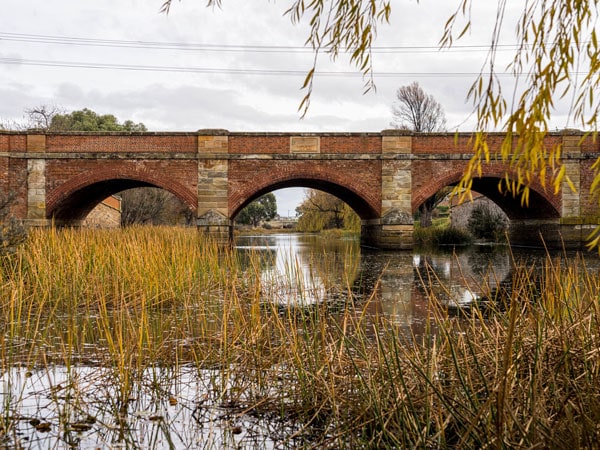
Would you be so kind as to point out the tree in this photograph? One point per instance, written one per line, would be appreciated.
(53, 118)
(88, 120)
(264, 208)
(322, 211)
(417, 111)
(41, 116)
(426, 208)
(557, 54)
(486, 224)
(153, 206)
(414, 110)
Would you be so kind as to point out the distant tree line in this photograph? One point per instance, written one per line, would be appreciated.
(54, 118)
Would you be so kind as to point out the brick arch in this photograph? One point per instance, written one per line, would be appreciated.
(541, 203)
(113, 180)
(358, 183)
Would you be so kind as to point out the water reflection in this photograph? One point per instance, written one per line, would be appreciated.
(301, 269)
(313, 268)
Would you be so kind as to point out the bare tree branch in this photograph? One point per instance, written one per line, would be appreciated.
(417, 111)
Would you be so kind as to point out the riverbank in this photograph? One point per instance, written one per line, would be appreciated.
(154, 337)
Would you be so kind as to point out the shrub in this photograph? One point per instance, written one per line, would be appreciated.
(12, 233)
(484, 223)
(436, 236)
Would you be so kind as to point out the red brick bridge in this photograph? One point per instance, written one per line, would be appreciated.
(383, 176)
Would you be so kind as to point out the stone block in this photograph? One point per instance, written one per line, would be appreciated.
(36, 142)
(396, 144)
(213, 144)
(305, 144)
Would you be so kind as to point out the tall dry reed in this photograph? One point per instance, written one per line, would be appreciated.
(146, 304)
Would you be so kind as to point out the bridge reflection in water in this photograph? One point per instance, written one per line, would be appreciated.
(308, 269)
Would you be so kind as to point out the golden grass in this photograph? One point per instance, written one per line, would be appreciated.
(522, 373)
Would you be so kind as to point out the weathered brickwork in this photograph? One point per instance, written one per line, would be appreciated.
(588, 204)
(443, 144)
(64, 177)
(17, 186)
(13, 142)
(259, 143)
(358, 182)
(383, 176)
(129, 143)
(358, 143)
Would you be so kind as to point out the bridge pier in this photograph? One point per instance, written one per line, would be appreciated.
(394, 231)
(213, 169)
(216, 226)
(36, 182)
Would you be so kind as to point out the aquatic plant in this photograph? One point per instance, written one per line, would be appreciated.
(156, 337)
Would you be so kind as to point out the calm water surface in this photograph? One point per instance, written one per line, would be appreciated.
(320, 269)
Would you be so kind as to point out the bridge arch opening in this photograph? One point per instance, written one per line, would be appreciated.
(75, 205)
(358, 204)
(539, 206)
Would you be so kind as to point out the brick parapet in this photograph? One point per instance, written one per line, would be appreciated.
(118, 143)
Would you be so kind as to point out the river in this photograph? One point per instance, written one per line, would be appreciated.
(318, 268)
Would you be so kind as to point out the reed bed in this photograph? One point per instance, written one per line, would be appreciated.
(156, 338)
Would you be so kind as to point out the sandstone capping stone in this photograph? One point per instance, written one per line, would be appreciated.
(36, 142)
(397, 132)
(396, 144)
(213, 143)
(213, 132)
(305, 144)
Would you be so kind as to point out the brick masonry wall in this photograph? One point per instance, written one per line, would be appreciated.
(361, 144)
(65, 176)
(17, 184)
(360, 179)
(588, 202)
(131, 143)
(259, 144)
(13, 143)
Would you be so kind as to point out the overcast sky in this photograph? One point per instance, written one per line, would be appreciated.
(208, 68)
